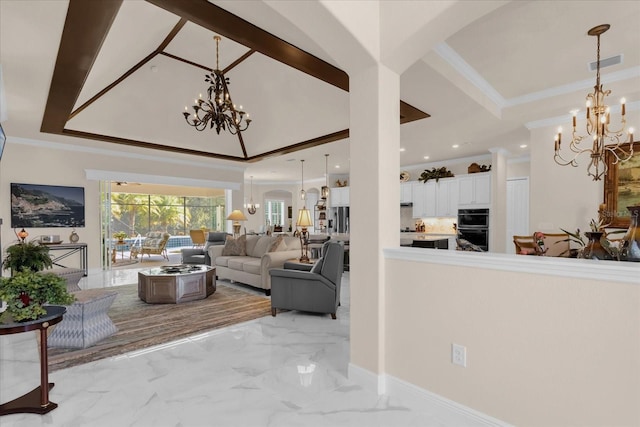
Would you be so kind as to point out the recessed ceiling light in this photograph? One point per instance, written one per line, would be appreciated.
(402, 149)
(337, 166)
(426, 157)
(455, 146)
(523, 145)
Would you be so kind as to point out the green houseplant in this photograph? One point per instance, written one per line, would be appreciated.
(120, 235)
(26, 291)
(27, 256)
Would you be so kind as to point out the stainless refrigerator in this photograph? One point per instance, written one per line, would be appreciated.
(340, 219)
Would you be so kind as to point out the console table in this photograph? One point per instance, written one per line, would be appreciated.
(37, 400)
(69, 249)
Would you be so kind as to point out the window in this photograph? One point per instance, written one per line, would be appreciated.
(274, 212)
(140, 213)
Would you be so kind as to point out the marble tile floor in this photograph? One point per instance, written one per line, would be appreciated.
(290, 370)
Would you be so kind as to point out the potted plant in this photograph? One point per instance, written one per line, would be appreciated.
(120, 235)
(26, 291)
(27, 256)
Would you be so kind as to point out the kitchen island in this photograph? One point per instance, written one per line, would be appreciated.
(434, 240)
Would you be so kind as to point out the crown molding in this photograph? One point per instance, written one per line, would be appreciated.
(469, 73)
(629, 73)
(104, 175)
(564, 119)
(115, 153)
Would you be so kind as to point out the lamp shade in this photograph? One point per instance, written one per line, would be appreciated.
(304, 218)
(237, 215)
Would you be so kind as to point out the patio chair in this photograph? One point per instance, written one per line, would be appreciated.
(155, 244)
(198, 237)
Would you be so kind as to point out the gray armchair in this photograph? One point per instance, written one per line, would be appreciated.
(201, 255)
(317, 290)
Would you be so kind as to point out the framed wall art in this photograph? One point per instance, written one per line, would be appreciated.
(622, 187)
(35, 205)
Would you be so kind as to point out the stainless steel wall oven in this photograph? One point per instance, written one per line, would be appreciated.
(473, 225)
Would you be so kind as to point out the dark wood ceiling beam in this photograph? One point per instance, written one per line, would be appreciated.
(325, 139)
(87, 25)
(409, 113)
(85, 29)
(220, 21)
(140, 144)
(175, 30)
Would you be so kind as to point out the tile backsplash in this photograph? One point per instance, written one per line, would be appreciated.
(440, 225)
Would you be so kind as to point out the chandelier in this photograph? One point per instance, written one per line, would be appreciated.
(217, 110)
(598, 121)
(252, 207)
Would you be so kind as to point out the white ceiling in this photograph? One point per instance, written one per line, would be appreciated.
(525, 62)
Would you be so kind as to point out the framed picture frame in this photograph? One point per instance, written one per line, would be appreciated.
(40, 206)
(621, 187)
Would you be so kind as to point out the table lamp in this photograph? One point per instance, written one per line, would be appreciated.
(236, 216)
(304, 221)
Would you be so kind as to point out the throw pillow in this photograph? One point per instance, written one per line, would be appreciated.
(235, 247)
(262, 246)
(278, 244)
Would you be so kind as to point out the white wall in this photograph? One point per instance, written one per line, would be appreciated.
(541, 350)
(38, 162)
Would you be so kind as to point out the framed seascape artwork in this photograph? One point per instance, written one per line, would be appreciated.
(622, 187)
(46, 206)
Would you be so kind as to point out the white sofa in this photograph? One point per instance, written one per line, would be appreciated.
(253, 268)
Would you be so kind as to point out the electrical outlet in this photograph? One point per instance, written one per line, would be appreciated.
(459, 355)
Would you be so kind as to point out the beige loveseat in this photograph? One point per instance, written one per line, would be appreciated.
(261, 254)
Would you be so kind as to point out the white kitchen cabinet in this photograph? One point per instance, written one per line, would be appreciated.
(447, 197)
(474, 190)
(424, 199)
(406, 192)
(339, 196)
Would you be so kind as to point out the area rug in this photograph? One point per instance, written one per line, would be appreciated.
(142, 325)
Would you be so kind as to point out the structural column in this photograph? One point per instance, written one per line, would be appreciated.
(498, 218)
(374, 213)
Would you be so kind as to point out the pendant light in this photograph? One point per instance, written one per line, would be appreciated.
(325, 188)
(303, 194)
(252, 207)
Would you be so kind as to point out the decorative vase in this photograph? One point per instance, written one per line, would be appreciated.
(594, 249)
(631, 241)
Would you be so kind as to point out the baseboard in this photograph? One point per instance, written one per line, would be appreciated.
(367, 379)
(410, 393)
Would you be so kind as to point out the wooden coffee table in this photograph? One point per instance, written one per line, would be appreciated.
(175, 284)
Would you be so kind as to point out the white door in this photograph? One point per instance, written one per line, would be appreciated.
(517, 210)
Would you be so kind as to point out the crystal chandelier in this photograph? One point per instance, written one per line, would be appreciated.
(598, 120)
(217, 110)
(252, 207)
